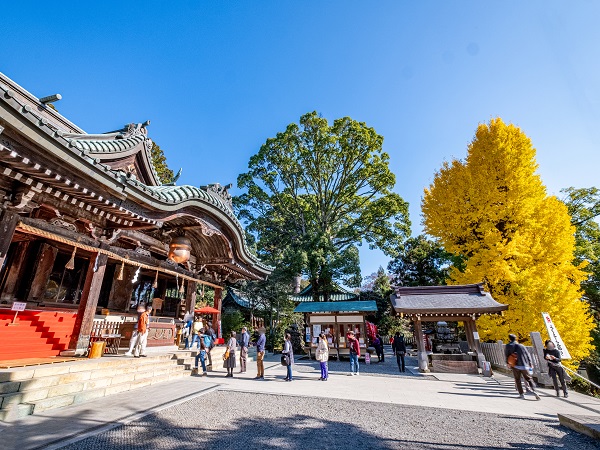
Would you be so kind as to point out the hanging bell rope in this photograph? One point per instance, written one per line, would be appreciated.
(155, 284)
(120, 274)
(181, 288)
(71, 263)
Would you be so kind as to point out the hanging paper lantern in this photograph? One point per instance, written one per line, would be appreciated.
(180, 249)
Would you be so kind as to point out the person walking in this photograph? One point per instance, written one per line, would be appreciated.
(196, 331)
(143, 326)
(133, 342)
(244, 342)
(555, 369)
(354, 346)
(518, 359)
(378, 344)
(399, 348)
(322, 355)
(229, 363)
(288, 352)
(260, 354)
(201, 356)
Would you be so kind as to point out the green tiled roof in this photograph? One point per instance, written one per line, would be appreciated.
(344, 306)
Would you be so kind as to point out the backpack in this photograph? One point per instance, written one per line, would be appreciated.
(512, 359)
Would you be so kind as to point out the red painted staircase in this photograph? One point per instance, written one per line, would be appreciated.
(36, 334)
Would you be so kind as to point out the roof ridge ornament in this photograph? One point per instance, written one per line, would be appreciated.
(222, 192)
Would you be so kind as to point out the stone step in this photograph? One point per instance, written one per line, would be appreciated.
(24, 373)
(99, 380)
(87, 395)
(93, 372)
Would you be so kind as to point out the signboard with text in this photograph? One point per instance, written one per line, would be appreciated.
(554, 336)
(18, 306)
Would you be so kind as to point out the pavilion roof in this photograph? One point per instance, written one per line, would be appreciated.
(343, 306)
(338, 294)
(445, 300)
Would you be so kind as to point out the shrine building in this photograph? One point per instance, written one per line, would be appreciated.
(88, 232)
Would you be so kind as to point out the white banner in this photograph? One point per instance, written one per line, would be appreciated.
(555, 337)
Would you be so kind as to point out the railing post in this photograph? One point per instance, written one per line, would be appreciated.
(538, 349)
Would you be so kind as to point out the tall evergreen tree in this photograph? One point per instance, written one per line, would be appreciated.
(493, 212)
(165, 175)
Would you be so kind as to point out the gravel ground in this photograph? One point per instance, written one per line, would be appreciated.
(236, 420)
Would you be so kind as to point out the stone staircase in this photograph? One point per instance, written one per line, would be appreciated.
(33, 389)
(29, 390)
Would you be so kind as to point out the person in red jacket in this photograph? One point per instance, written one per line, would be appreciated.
(354, 346)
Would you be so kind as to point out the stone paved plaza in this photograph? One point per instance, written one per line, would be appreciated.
(380, 409)
(238, 420)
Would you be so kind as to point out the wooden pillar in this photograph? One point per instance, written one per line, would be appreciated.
(469, 333)
(477, 344)
(217, 316)
(190, 296)
(121, 290)
(14, 272)
(421, 352)
(8, 223)
(43, 268)
(80, 338)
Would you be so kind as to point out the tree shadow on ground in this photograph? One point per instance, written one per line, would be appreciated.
(226, 420)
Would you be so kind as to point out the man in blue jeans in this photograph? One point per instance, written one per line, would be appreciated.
(202, 357)
(354, 346)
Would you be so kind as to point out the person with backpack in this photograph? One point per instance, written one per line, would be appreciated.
(196, 330)
(399, 348)
(378, 344)
(354, 346)
(322, 355)
(555, 369)
(518, 359)
(202, 357)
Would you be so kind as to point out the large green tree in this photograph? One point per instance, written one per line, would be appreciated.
(584, 207)
(315, 192)
(421, 262)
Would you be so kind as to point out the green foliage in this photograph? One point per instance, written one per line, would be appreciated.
(232, 321)
(377, 287)
(421, 262)
(390, 325)
(165, 175)
(584, 207)
(317, 191)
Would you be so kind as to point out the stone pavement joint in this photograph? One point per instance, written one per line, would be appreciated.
(448, 392)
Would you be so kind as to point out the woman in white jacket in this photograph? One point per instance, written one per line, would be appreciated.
(322, 355)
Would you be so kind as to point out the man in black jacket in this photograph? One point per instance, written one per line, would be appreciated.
(399, 348)
(518, 359)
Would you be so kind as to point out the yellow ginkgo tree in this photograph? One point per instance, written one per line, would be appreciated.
(492, 212)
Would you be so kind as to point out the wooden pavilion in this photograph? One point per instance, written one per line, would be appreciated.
(462, 303)
(86, 225)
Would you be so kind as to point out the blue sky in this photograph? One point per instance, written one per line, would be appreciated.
(218, 78)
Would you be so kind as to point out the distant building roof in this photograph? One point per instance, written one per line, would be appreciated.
(445, 300)
(236, 298)
(342, 306)
(338, 294)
